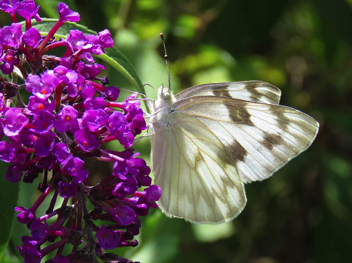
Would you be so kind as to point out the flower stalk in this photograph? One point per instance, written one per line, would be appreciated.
(70, 114)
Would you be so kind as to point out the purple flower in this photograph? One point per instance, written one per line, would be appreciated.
(31, 174)
(36, 105)
(139, 205)
(67, 120)
(43, 121)
(30, 252)
(111, 93)
(117, 124)
(10, 35)
(88, 91)
(138, 167)
(70, 113)
(77, 39)
(138, 124)
(46, 162)
(126, 187)
(35, 85)
(66, 14)
(7, 152)
(33, 82)
(133, 109)
(108, 239)
(25, 216)
(153, 193)
(6, 68)
(28, 10)
(73, 88)
(80, 177)
(15, 121)
(9, 60)
(89, 71)
(67, 190)
(49, 79)
(68, 77)
(45, 144)
(105, 39)
(39, 230)
(93, 45)
(61, 152)
(86, 139)
(2, 105)
(94, 119)
(28, 137)
(134, 227)
(14, 173)
(73, 166)
(60, 71)
(9, 6)
(124, 215)
(94, 103)
(31, 37)
(120, 170)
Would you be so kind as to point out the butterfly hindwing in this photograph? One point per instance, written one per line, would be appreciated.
(197, 175)
(253, 90)
(260, 138)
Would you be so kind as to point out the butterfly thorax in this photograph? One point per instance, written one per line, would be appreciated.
(163, 107)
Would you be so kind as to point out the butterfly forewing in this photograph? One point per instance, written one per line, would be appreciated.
(196, 173)
(257, 91)
(260, 138)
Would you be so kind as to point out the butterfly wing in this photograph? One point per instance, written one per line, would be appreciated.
(260, 138)
(197, 175)
(253, 90)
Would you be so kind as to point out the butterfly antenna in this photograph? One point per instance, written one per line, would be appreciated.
(166, 60)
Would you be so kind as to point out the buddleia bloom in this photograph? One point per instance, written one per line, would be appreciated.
(70, 114)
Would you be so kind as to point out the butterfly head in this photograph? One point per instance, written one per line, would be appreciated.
(163, 106)
(165, 95)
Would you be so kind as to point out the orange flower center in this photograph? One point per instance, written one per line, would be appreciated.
(41, 107)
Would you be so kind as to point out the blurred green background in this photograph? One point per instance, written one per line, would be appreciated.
(304, 212)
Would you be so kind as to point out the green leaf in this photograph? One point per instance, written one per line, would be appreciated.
(8, 196)
(48, 23)
(7, 77)
(117, 60)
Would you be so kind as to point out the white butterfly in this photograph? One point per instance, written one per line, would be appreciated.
(211, 139)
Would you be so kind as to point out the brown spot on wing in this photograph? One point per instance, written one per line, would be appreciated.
(282, 120)
(270, 140)
(240, 115)
(222, 92)
(237, 152)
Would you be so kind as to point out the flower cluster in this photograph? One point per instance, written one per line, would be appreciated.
(70, 114)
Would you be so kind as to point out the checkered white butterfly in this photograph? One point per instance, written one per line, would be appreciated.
(209, 140)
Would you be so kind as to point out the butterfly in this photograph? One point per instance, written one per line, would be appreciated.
(209, 140)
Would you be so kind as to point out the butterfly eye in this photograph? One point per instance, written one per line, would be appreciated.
(166, 96)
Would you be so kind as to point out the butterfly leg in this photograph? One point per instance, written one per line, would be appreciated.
(146, 134)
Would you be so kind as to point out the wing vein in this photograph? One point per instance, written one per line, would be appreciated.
(205, 187)
(281, 121)
(239, 126)
(178, 146)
